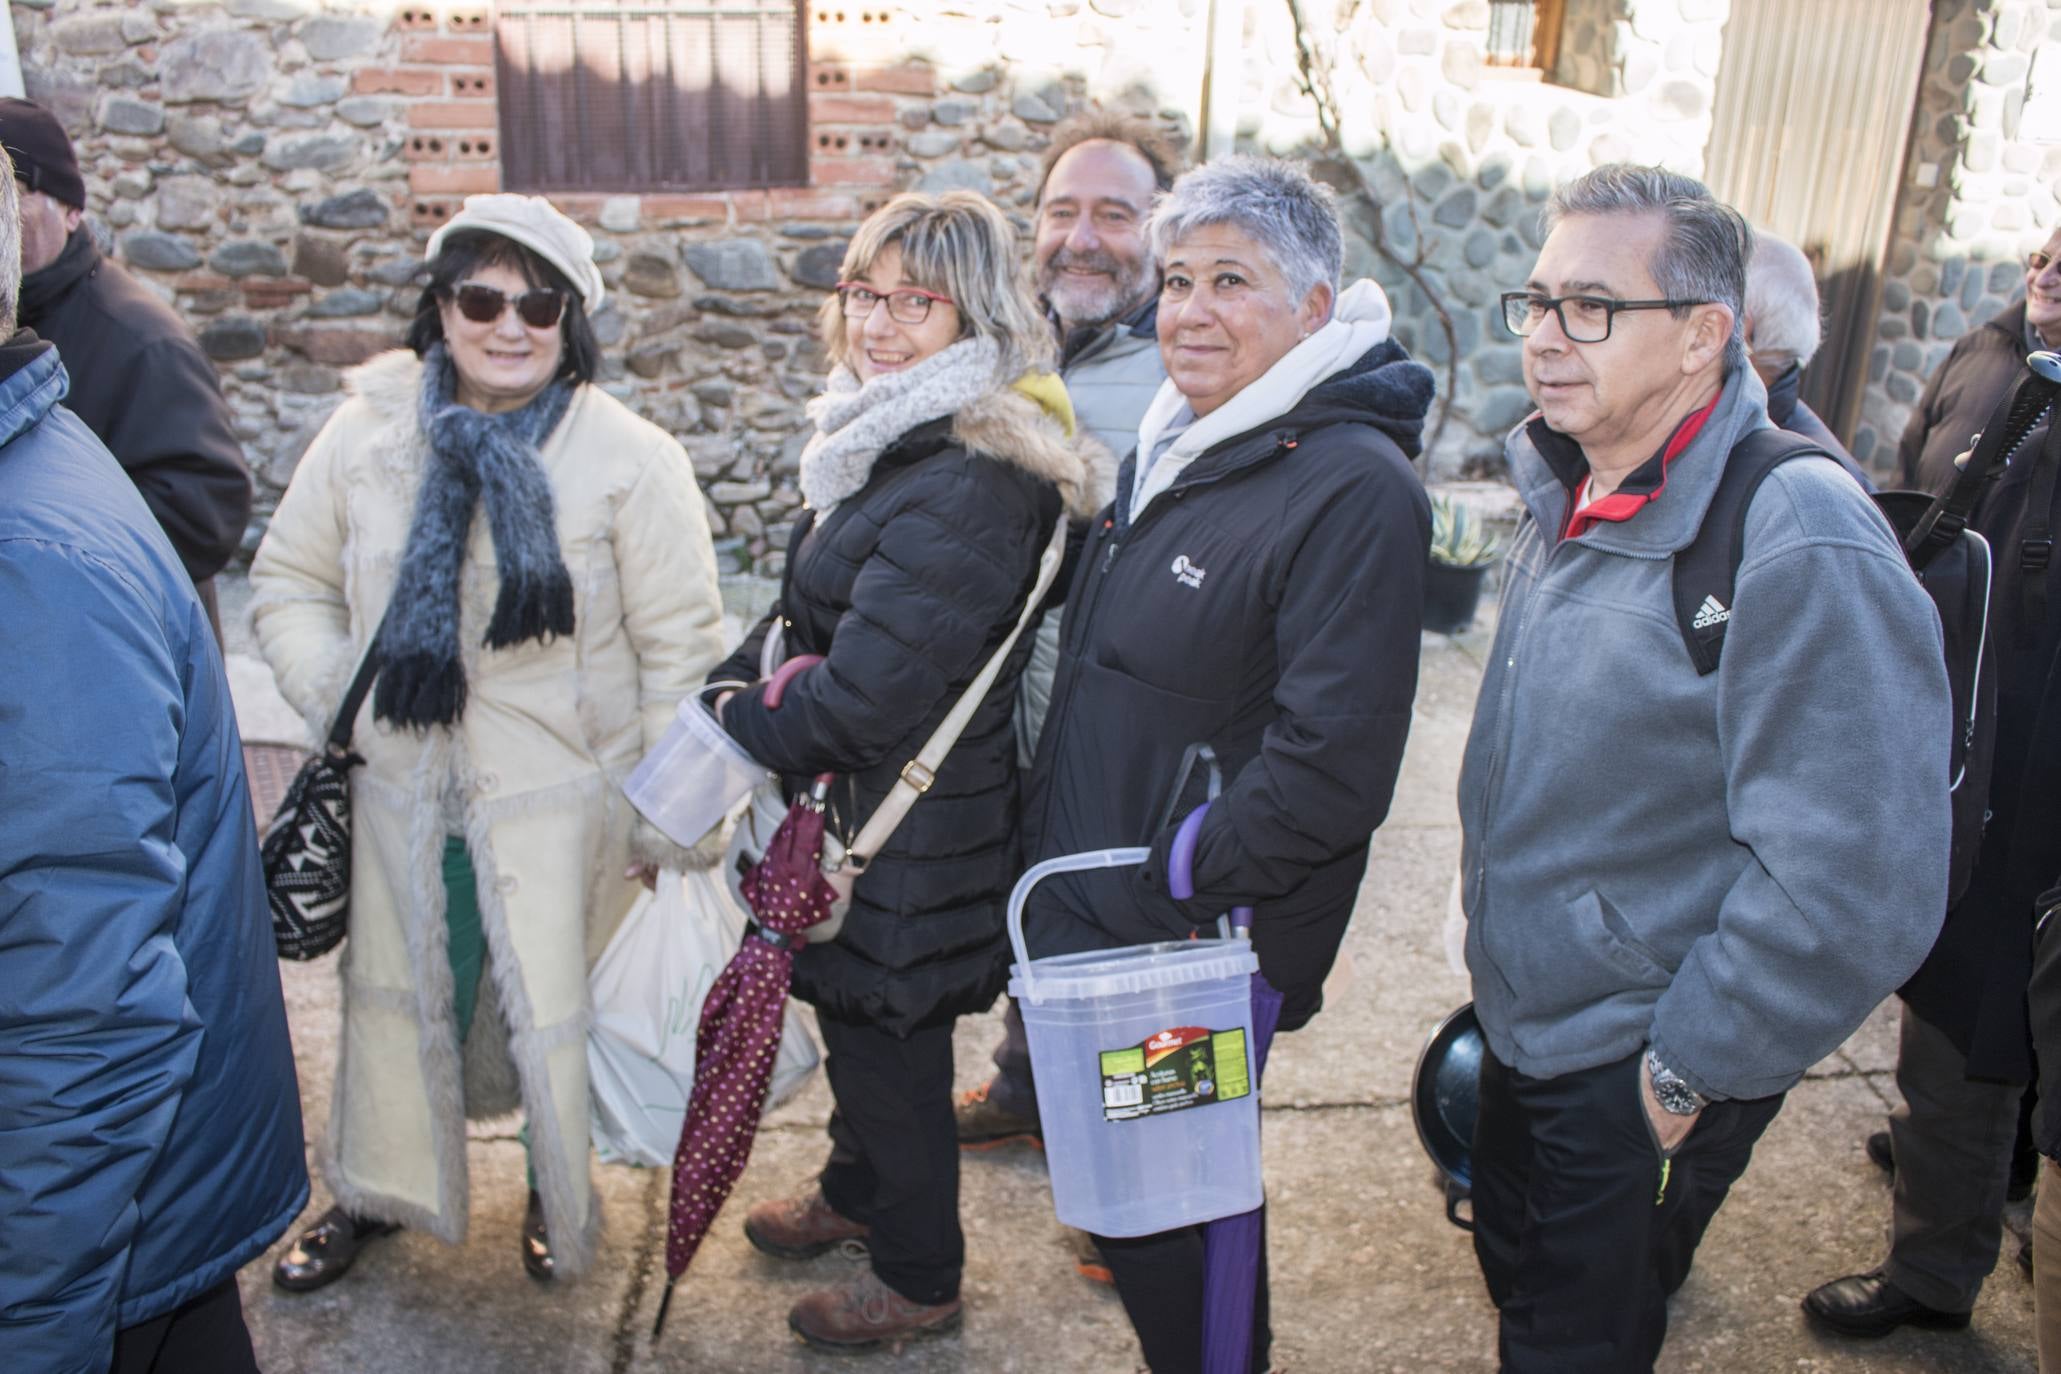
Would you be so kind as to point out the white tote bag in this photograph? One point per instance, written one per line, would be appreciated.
(648, 988)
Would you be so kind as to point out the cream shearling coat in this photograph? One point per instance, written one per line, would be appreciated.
(548, 733)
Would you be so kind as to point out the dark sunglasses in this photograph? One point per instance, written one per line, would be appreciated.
(540, 308)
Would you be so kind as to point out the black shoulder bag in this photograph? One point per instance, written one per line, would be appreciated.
(307, 846)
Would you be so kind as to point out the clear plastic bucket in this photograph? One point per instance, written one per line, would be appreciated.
(1147, 1089)
(694, 775)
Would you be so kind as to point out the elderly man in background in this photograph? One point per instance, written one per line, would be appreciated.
(1099, 283)
(1782, 333)
(150, 1123)
(1960, 1143)
(1682, 889)
(138, 378)
(1979, 371)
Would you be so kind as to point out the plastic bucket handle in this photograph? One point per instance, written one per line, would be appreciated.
(1075, 863)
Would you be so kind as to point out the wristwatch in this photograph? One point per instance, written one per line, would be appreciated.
(1675, 1096)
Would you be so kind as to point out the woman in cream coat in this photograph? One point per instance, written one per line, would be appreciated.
(542, 563)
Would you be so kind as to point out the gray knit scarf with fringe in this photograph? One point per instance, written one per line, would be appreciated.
(475, 458)
(855, 421)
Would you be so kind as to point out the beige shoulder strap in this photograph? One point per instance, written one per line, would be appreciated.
(920, 772)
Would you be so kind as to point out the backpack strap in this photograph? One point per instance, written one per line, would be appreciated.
(1708, 569)
(2036, 539)
(1953, 506)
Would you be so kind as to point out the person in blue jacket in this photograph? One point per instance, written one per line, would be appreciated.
(150, 1125)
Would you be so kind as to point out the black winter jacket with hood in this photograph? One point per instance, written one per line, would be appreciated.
(1269, 603)
(907, 588)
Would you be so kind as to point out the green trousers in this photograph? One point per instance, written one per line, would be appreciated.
(466, 940)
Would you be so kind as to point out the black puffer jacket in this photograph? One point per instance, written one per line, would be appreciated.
(1270, 604)
(907, 589)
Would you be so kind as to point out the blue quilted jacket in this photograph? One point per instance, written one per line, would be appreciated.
(150, 1126)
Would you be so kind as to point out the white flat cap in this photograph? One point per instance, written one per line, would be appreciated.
(532, 222)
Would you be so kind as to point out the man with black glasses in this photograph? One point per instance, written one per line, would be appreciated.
(1683, 888)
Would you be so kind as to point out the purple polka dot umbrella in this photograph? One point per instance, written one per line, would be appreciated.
(739, 1033)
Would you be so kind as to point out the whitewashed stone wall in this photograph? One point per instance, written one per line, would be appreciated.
(274, 167)
(1958, 244)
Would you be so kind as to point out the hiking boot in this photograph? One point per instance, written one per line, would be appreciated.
(983, 1125)
(863, 1313)
(799, 1227)
(1087, 1257)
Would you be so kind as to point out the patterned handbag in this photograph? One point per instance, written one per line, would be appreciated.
(307, 847)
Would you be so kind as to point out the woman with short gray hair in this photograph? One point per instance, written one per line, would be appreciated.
(1257, 586)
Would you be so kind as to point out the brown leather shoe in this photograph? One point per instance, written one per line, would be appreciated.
(799, 1227)
(863, 1313)
(982, 1125)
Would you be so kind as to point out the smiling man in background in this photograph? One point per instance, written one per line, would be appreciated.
(1099, 284)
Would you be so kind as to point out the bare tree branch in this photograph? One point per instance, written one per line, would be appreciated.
(1315, 73)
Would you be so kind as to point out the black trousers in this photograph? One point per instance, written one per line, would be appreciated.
(1581, 1228)
(894, 1153)
(1159, 1279)
(205, 1336)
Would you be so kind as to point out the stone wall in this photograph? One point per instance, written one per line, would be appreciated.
(1958, 243)
(1461, 155)
(274, 166)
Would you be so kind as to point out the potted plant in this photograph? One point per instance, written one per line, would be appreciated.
(1462, 549)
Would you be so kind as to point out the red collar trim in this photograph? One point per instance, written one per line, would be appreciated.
(1643, 486)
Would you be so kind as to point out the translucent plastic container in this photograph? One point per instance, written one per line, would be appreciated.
(1146, 1083)
(694, 775)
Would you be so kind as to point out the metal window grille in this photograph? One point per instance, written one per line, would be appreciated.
(666, 95)
(1524, 33)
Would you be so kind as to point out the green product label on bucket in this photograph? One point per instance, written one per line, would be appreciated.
(1188, 1066)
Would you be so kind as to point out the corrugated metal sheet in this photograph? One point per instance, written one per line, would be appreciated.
(1814, 107)
(667, 95)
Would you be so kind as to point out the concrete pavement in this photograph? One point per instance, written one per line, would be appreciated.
(1367, 1274)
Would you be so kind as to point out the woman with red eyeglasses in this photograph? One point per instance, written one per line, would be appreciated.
(942, 454)
(534, 562)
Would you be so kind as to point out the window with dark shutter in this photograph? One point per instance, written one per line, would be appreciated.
(667, 95)
(1524, 33)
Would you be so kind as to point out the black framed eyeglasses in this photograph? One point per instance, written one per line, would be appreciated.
(539, 308)
(909, 305)
(1583, 319)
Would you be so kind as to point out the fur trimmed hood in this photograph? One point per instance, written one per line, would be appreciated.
(1012, 427)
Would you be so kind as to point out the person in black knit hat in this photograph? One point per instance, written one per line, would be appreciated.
(138, 378)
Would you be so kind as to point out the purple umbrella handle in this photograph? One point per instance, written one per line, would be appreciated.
(1180, 858)
(1180, 868)
(776, 685)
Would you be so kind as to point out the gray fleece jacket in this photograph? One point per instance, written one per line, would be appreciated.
(1735, 868)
